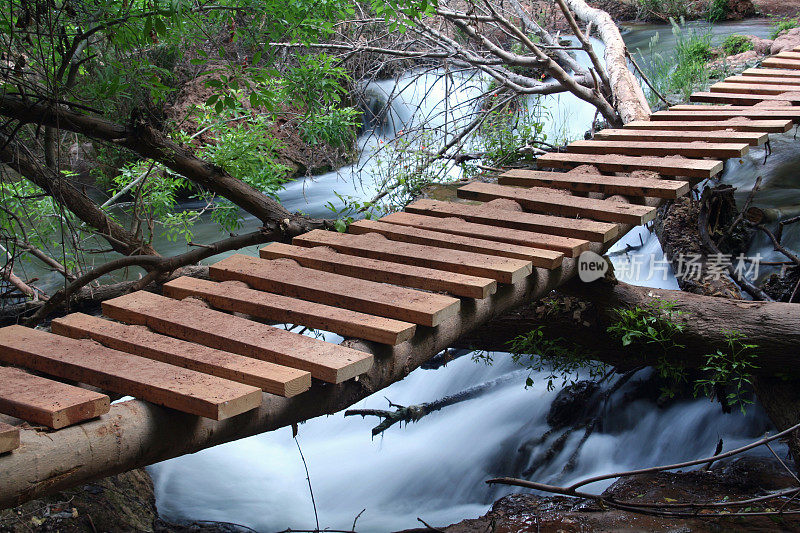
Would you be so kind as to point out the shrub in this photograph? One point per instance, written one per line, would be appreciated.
(783, 24)
(736, 44)
(717, 10)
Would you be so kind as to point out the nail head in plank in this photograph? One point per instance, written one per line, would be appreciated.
(373, 245)
(540, 258)
(689, 168)
(725, 124)
(140, 341)
(683, 135)
(46, 402)
(286, 277)
(458, 226)
(329, 260)
(9, 438)
(590, 230)
(156, 382)
(687, 149)
(542, 200)
(275, 307)
(326, 361)
(595, 183)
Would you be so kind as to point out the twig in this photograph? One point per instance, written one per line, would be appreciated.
(424, 523)
(308, 478)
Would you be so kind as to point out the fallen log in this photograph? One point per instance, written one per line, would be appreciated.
(774, 327)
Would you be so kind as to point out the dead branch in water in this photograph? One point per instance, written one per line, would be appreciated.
(675, 509)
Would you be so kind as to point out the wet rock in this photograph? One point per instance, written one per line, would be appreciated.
(741, 478)
(571, 404)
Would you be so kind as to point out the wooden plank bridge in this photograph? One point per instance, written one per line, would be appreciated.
(406, 285)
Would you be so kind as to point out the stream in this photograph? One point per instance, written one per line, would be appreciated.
(435, 469)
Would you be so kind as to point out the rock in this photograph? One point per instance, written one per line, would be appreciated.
(570, 405)
(761, 46)
(735, 61)
(120, 503)
(738, 479)
(787, 40)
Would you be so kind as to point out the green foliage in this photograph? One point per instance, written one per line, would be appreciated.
(559, 358)
(717, 10)
(783, 24)
(334, 126)
(350, 210)
(34, 217)
(736, 44)
(656, 326)
(245, 147)
(731, 368)
(507, 129)
(681, 73)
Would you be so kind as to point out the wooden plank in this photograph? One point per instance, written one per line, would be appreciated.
(9, 438)
(153, 381)
(375, 246)
(328, 362)
(706, 113)
(540, 258)
(46, 402)
(544, 201)
(788, 54)
(765, 80)
(778, 62)
(329, 260)
(686, 149)
(724, 124)
(779, 107)
(688, 168)
(267, 306)
(595, 183)
(753, 88)
(458, 226)
(743, 99)
(283, 276)
(771, 72)
(589, 230)
(683, 135)
(140, 341)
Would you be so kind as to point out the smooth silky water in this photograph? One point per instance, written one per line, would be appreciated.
(435, 469)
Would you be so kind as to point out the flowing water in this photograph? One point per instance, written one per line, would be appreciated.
(435, 469)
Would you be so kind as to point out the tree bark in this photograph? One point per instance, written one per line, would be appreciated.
(629, 98)
(773, 326)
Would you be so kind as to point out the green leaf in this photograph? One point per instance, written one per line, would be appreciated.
(340, 225)
(160, 27)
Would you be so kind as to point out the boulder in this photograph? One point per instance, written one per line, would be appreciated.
(787, 40)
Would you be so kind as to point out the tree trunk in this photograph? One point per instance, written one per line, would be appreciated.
(773, 326)
(629, 99)
(148, 143)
